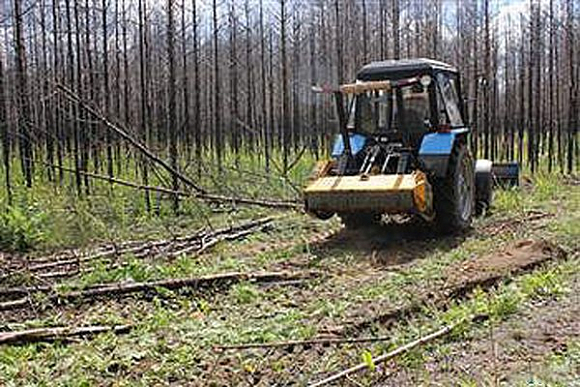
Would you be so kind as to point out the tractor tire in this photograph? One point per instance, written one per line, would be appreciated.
(322, 215)
(355, 221)
(454, 195)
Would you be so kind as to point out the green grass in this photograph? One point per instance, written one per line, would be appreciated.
(176, 331)
(52, 215)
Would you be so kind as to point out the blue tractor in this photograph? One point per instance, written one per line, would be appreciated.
(403, 148)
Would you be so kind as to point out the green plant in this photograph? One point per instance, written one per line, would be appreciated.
(543, 284)
(246, 293)
(22, 229)
(367, 358)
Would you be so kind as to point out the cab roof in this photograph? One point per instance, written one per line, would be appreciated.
(402, 68)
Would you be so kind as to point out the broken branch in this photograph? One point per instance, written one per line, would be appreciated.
(389, 355)
(199, 192)
(71, 96)
(171, 284)
(51, 334)
(140, 249)
(292, 343)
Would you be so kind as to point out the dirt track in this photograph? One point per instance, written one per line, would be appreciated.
(462, 278)
(511, 353)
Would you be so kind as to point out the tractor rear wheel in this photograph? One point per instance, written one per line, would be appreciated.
(454, 195)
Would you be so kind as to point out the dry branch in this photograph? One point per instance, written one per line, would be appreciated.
(16, 304)
(125, 183)
(256, 202)
(199, 192)
(171, 284)
(175, 247)
(73, 97)
(390, 355)
(292, 343)
(207, 245)
(121, 288)
(51, 334)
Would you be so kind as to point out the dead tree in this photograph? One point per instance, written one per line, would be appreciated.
(285, 122)
(106, 89)
(23, 103)
(218, 142)
(144, 95)
(4, 132)
(171, 104)
(197, 119)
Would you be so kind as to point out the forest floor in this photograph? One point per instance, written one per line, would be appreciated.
(290, 277)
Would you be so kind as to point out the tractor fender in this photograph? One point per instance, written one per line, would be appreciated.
(483, 185)
(436, 149)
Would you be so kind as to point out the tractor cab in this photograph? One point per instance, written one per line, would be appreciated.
(393, 105)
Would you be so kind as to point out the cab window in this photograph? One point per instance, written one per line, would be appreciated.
(449, 99)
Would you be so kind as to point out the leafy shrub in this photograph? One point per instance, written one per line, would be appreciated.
(21, 230)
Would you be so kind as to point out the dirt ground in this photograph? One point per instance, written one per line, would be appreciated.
(513, 352)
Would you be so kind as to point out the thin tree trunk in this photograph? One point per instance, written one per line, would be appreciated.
(23, 111)
(4, 132)
(106, 90)
(171, 107)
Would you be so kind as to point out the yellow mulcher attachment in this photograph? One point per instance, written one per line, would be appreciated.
(398, 193)
(366, 192)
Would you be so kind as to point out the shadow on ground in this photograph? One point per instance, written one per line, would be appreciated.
(393, 242)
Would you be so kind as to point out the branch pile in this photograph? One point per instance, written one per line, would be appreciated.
(71, 262)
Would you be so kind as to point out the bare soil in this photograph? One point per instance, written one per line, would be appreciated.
(461, 278)
(512, 352)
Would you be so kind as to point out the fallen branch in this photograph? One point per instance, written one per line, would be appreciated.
(16, 304)
(292, 343)
(171, 284)
(163, 190)
(390, 355)
(228, 237)
(71, 96)
(125, 183)
(198, 191)
(51, 334)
